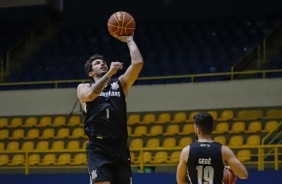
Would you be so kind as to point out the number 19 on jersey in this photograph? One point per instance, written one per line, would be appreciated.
(205, 174)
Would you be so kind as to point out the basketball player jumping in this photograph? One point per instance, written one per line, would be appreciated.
(104, 104)
(203, 161)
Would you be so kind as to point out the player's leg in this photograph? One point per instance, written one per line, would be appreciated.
(123, 173)
(94, 179)
(100, 168)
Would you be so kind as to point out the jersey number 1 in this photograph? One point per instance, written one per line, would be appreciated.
(205, 175)
(108, 113)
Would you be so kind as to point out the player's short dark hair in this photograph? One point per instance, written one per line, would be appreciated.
(88, 64)
(204, 121)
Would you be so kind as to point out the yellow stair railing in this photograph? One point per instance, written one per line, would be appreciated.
(263, 142)
(139, 162)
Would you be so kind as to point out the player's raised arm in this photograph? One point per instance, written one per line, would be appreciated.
(236, 166)
(132, 72)
(121, 25)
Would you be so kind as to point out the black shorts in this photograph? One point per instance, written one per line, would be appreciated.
(103, 167)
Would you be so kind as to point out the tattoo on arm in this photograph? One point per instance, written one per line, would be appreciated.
(99, 86)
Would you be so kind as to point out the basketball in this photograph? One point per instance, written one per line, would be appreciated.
(121, 23)
(229, 177)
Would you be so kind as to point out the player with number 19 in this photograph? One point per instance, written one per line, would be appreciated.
(202, 162)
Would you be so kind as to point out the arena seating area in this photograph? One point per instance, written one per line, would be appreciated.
(60, 140)
(177, 49)
(275, 63)
(16, 24)
(10, 35)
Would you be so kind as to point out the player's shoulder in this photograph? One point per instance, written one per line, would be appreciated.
(225, 150)
(185, 153)
(223, 147)
(186, 149)
(81, 85)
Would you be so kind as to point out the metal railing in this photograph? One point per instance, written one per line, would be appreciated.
(2, 69)
(263, 142)
(192, 77)
(256, 159)
(268, 40)
(25, 44)
(254, 53)
(12, 52)
(38, 29)
(258, 52)
(275, 135)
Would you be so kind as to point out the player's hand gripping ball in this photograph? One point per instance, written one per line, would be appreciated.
(121, 24)
(229, 177)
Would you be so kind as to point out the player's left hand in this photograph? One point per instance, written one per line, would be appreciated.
(229, 168)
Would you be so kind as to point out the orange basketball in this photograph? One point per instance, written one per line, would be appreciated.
(121, 23)
(229, 177)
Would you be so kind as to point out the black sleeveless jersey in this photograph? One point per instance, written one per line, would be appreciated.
(106, 121)
(205, 165)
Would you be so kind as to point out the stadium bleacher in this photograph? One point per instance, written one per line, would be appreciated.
(239, 128)
(202, 47)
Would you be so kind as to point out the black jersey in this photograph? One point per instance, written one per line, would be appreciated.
(205, 165)
(106, 121)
